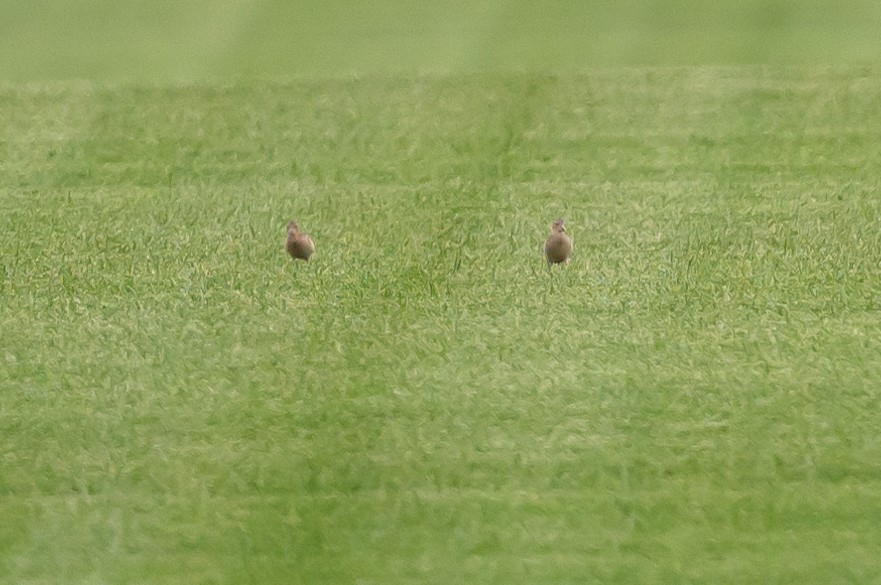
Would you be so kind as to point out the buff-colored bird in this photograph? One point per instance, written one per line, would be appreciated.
(299, 245)
(558, 247)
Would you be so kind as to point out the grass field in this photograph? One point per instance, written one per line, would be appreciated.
(160, 40)
(693, 400)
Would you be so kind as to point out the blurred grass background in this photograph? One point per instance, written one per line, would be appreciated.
(165, 40)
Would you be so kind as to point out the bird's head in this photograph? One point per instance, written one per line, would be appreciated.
(559, 226)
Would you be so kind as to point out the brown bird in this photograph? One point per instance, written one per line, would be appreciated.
(558, 248)
(299, 245)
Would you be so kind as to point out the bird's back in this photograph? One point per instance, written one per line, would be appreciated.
(299, 246)
(558, 248)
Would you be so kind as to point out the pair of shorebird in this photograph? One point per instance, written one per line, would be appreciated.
(558, 247)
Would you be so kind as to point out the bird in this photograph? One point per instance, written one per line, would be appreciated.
(299, 245)
(558, 246)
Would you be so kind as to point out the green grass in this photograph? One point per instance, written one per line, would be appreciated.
(162, 40)
(694, 400)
